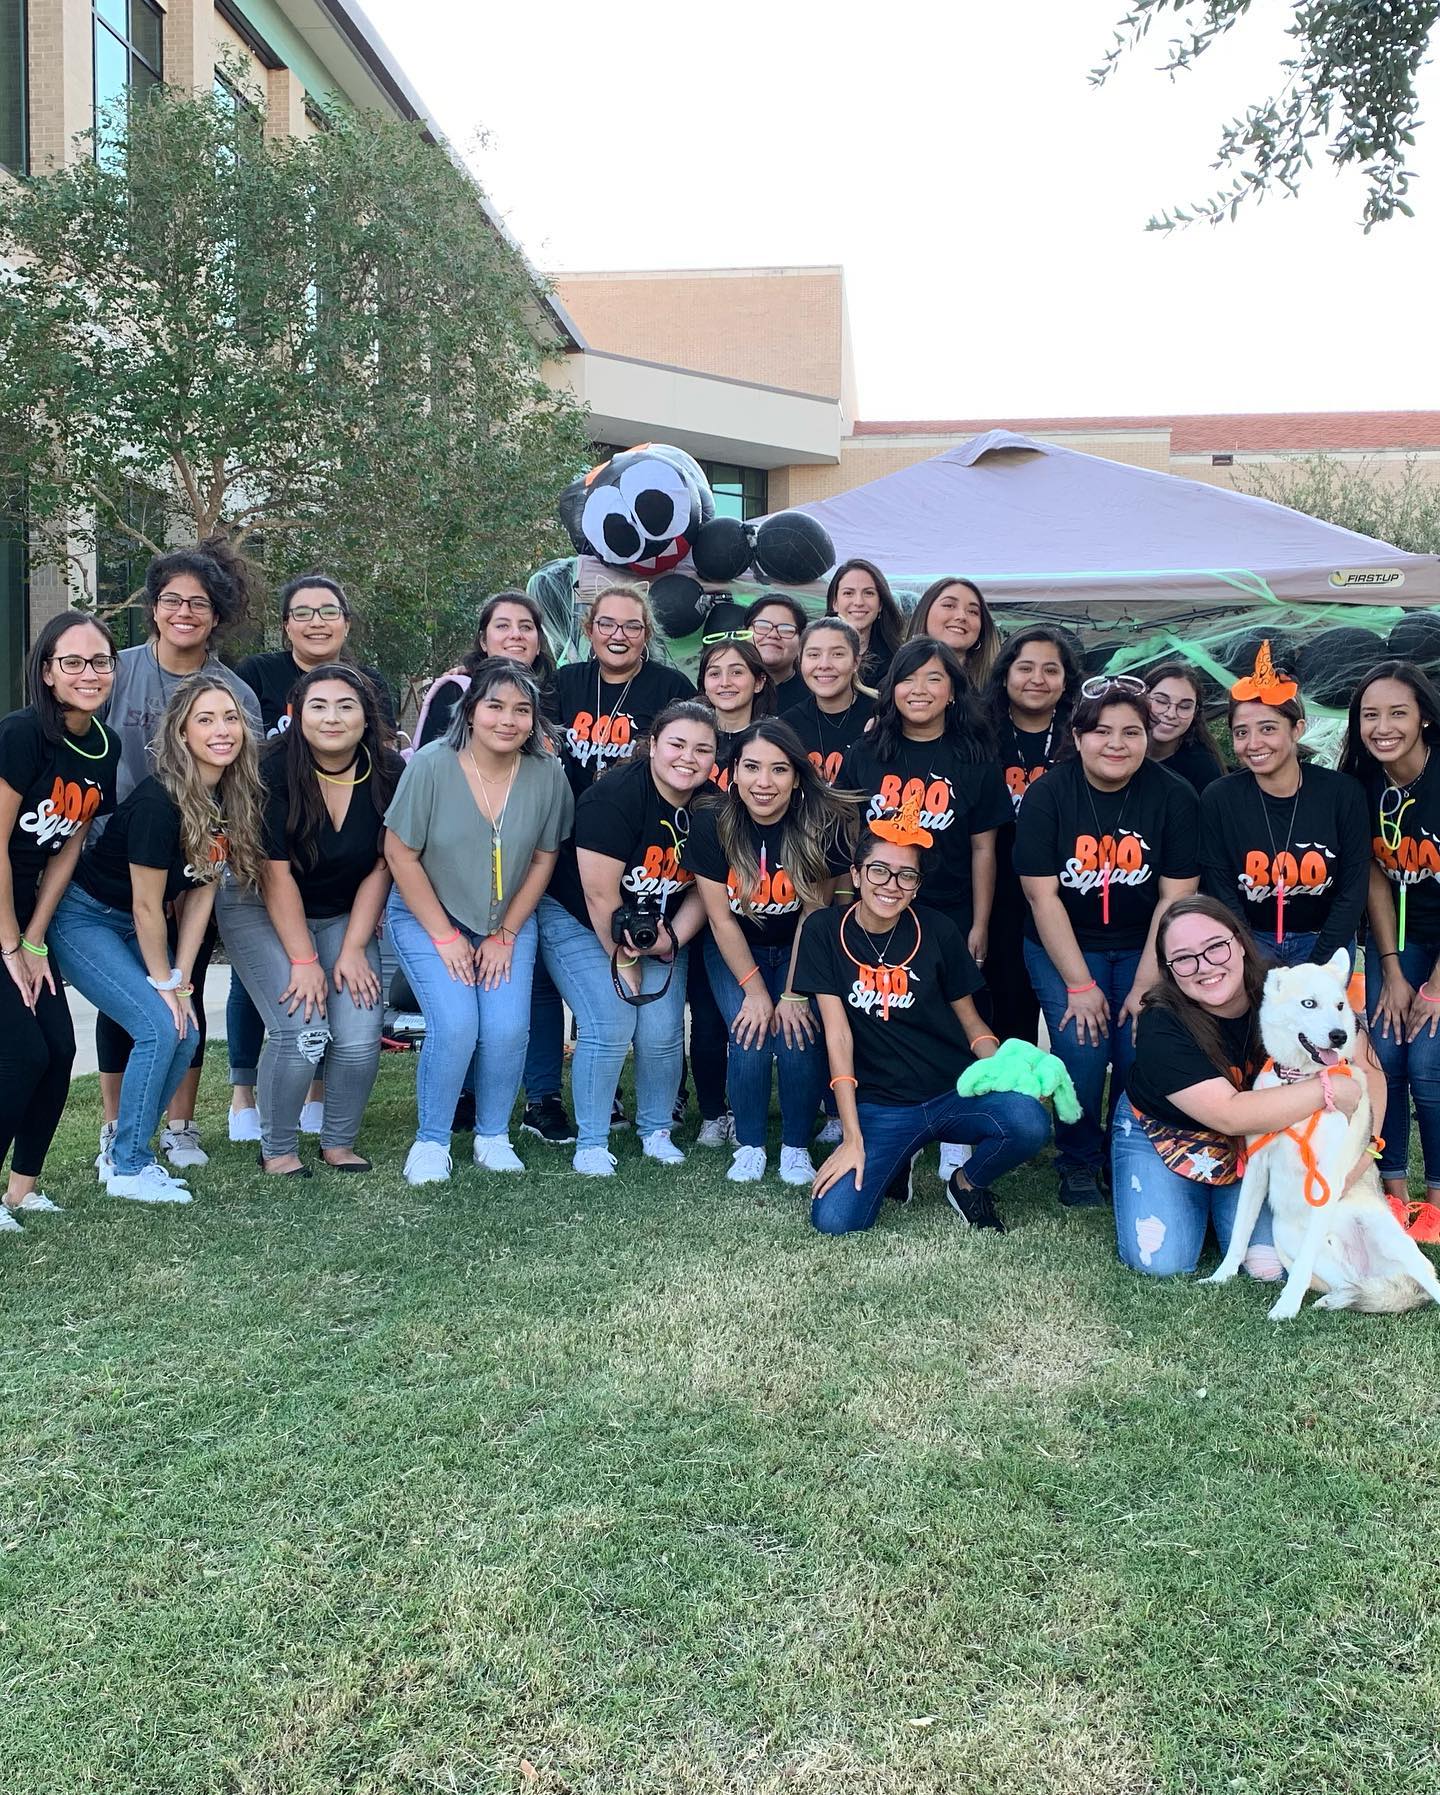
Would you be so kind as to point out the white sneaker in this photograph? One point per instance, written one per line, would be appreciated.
(593, 1162)
(427, 1162)
(717, 1133)
(37, 1203)
(104, 1162)
(151, 1184)
(8, 1223)
(312, 1118)
(181, 1146)
(660, 1146)
(748, 1165)
(493, 1153)
(953, 1155)
(796, 1165)
(245, 1124)
(831, 1134)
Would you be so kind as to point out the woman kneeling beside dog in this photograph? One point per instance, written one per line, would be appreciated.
(1179, 1131)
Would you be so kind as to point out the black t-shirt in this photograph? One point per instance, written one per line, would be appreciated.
(624, 817)
(958, 798)
(145, 831)
(777, 904)
(61, 788)
(1168, 1059)
(876, 663)
(789, 693)
(600, 719)
(825, 738)
(1192, 763)
(344, 858)
(273, 677)
(1070, 831)
(913, 1048)
(1415, 863)
(1316, 841)
(1027, 755)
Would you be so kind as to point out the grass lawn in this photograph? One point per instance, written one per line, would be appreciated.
(559, 1486)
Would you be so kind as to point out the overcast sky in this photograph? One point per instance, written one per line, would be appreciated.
(986, 204)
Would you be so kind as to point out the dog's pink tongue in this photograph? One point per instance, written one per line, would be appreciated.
(1327, 1056)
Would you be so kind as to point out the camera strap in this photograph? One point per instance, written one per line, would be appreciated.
(637, 999)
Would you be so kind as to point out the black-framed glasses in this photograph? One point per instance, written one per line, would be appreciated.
(1102, 683)
(172, 602)
(1181, 707)
(877, 872)
(77, 663)
(634, 629)
(784, 631)
(1185, 966)
(308, 613)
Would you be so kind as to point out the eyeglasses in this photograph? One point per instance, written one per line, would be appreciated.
(1112, 682)
(784, 631)
(1182, 707)
(77, 663)
(727, 635)
(308, 613)
(168, 601)
(1185, 966)
(610, 626)
(876, 872)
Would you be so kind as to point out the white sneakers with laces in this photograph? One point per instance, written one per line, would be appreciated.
(831, 1134)
(151, 1184)
(953, 1155)
(747, 1166)
(493, 1153)
(37, 1203)
(593, 1162)
(8, 1223)
(796, 1166)
(180, 1143)
(427, 1162)
(660, 1146)
(244, 1124)
(718, 1132)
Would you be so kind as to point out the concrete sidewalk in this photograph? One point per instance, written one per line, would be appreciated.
(217, 989)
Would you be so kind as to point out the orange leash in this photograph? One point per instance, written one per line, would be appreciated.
(1314, 1178)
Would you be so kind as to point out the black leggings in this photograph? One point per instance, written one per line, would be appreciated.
(112, 1044)
(37, 1051)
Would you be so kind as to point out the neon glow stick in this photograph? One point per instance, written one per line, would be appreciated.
(1279, 911)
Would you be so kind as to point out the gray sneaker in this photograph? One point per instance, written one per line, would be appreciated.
(1080, 1189)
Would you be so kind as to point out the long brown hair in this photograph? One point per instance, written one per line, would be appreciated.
(306, 814)
(1165, 994)
(817, 822)
(979, 659)
(233, 809)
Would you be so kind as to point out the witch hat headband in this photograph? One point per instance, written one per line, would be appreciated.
(903, 827)
(1264, 685)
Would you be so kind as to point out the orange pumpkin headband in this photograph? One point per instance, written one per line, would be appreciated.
(902, 826)
(1264, 685)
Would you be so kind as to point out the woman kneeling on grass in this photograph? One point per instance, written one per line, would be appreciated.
(306, 952)
(895, 983)
(1180, 1129)
(471, 839)
(169, 843)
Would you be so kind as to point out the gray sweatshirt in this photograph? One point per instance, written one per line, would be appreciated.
(137, 703)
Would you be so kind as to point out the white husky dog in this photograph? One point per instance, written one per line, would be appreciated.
(1346, 1244)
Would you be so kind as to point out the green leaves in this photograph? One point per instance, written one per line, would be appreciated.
(324, 343)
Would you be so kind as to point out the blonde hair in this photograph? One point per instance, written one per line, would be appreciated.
(233, 809)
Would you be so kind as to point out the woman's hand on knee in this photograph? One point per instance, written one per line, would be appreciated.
(308, 987)
(182, 1011)
(796, 1023)
(1090, 1012)
(353, 970)
(849, 1156)
(754, 1018)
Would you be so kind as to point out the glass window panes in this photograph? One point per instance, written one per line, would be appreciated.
(145, 33)
(112, 70)
(127, 50)
(12, 85)
(741, 492)
(115, 13)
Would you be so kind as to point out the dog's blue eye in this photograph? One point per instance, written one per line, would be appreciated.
(1308, 1003)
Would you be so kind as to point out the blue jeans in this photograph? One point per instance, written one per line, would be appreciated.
(1161, 1218)
(545, 1056)
(1296, 950)
(97, 952)
(464, 1023)
(1412, 1071)
(802, 1072)
(1005, 1129)
(1082, 1144)
(605, 1026)
(244, 1032)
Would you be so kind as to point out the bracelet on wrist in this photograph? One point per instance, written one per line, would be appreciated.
(41, 953)
(627, 965)
(10, 952)
(844, 1078)
(979, 1038)
(1426, 995)
(749, 975)
(314, 960)
(1392, 955)
(791, 997)
(173, 983)
(1080, 990)
(447, 941)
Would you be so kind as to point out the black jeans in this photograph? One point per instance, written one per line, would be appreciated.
(37, 1050)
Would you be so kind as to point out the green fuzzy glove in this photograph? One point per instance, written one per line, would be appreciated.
(1021, 1067)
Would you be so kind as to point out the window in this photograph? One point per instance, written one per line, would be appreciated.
(127, 51)
(14, 105)
(739, 491)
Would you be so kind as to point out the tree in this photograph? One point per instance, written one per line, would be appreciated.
(1349, 88)
(321, 345)
(1403, 511)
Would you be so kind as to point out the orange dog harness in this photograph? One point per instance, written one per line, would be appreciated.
(1302, 1135)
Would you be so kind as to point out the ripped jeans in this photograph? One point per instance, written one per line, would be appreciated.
(347, 1037)
(1161, 1218)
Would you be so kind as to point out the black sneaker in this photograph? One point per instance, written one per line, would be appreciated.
(618, 1118)
(901, 1188)
(547, 1119)
(973, 1204)
(464, 1118)
(1080, 1189)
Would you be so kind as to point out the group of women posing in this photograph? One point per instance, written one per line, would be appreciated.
(862, 853)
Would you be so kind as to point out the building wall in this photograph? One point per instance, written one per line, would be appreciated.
(782, 327)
